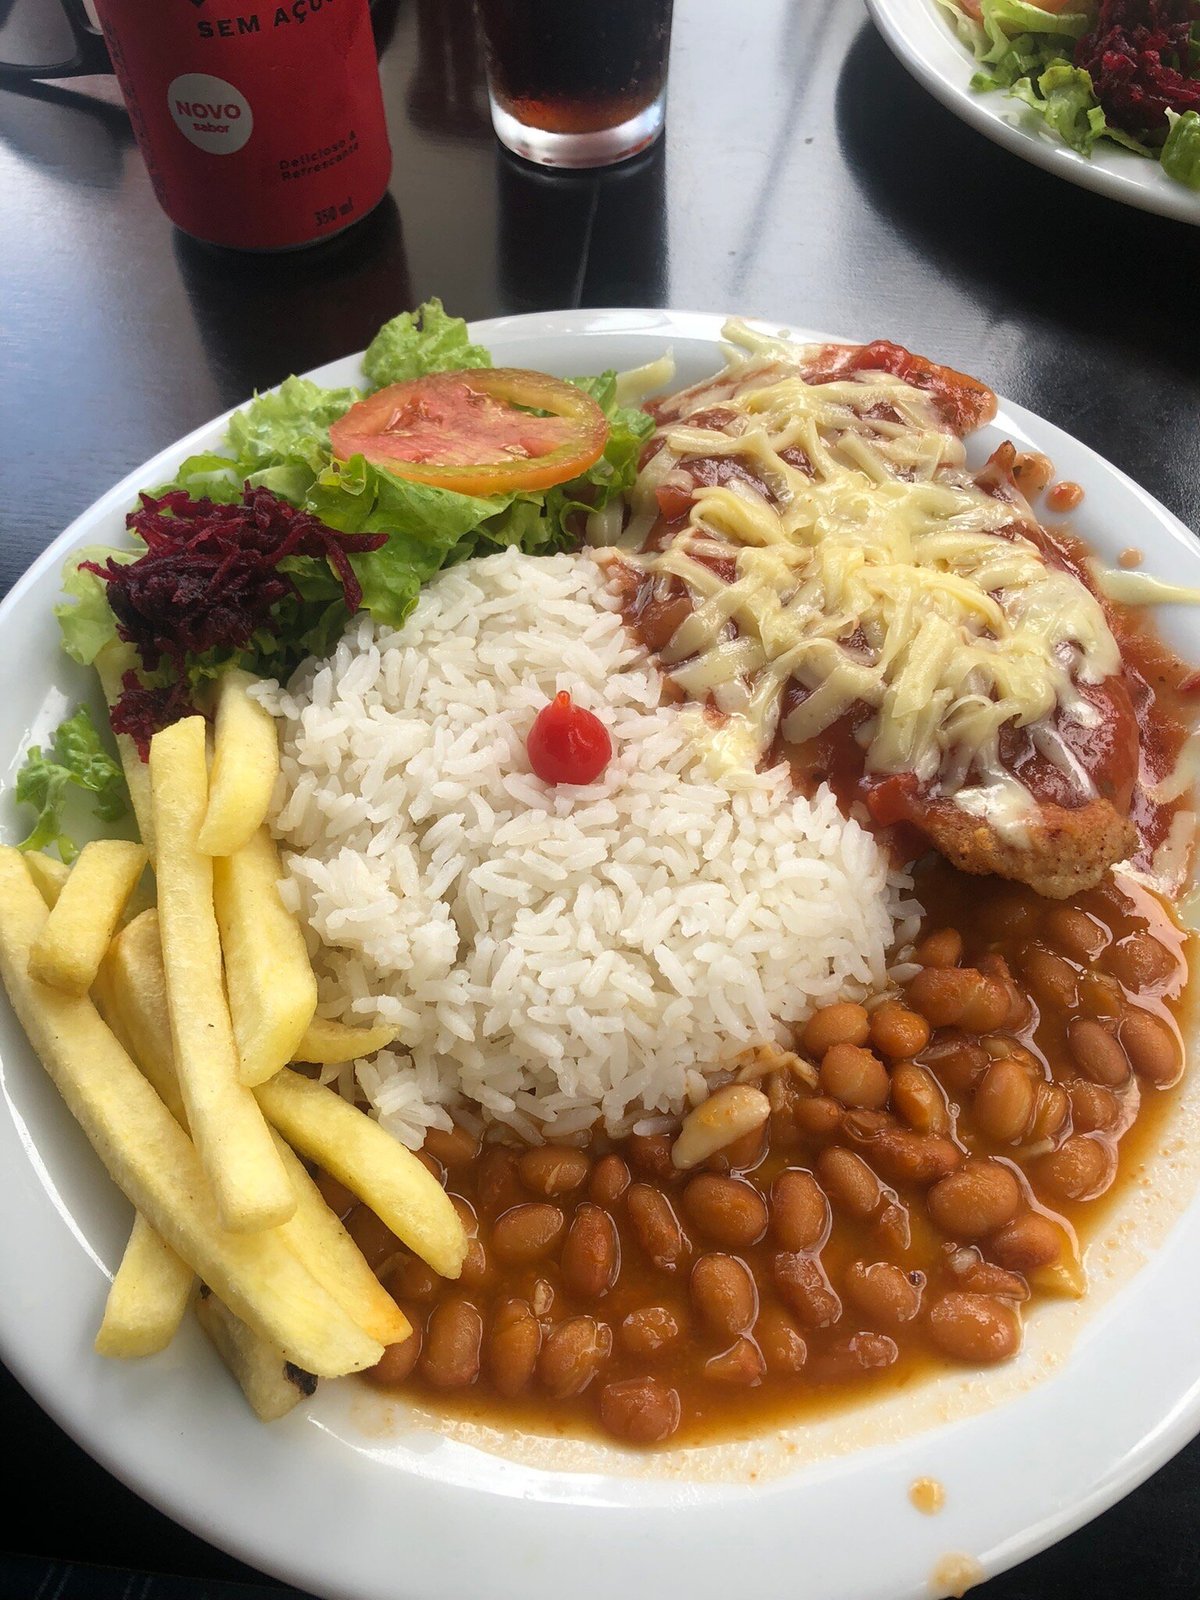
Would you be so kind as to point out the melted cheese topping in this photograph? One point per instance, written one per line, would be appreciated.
(887, 577)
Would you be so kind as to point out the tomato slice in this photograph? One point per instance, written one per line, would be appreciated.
(475, 431)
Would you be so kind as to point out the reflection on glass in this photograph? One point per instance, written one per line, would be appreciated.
(333, 297)
(570, 239)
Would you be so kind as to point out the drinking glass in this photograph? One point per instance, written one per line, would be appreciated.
(576, 83)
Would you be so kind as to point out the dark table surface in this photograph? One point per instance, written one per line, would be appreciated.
(803, 177)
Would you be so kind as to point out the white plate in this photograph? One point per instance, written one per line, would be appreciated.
(356, 1498)
(920, 34)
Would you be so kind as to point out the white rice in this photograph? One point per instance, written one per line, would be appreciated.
(548, 953)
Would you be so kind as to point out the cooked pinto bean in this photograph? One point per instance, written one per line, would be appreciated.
(572, 1354)
(476, 1269)
(650, 1153)
(741, 1364)
(527, 1232)
(1097, 1053)
(959, 996)
(1077, 935)
(917, 1098)
(591, 1256)
(723, 1293)
(849, 1181)
(497, 1186)
(974, 1328)
(610, 1179)
(846, 1359)
(373, 1237)
(1051, 1109)
(1151, 1046)
(780, 1340)
(802, 1283)
(453, 1341)
(553, 1169)
(844, 1023)
(648, 1330)
(640, 1410)
(513, 1344)
(854, 1076)
(941, 949)
(1139, 961)
(897, 1032)
(957, 1061)
(907, 1157)
(410, 1279)
(985, 1277)
(1081, 1168)
(1027, 1242)
(727, 1210)
(455, 1148)
(336, 1196)
(1005, 1101)
(817, 1117)
(1093, 1107)
(742, 1154)
(885, 1294)
(799, 1211)
(976, 1200)
(893, 1227)
(657, 1227)
(397, 1360)
(1053, 981)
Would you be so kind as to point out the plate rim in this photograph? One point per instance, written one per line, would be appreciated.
(906, 24)
(1154, 1444)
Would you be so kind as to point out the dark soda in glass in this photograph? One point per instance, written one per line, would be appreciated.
(576, 82)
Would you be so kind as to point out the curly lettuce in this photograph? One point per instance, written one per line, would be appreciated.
(76, 761)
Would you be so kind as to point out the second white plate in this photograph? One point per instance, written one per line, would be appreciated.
(921, 37)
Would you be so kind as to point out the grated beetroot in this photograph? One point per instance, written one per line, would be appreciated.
(144, 708)
(1138, 56)
(209, 580)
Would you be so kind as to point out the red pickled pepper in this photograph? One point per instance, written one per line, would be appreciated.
(568, 743)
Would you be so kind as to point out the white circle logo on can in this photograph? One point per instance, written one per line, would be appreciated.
(209, 112)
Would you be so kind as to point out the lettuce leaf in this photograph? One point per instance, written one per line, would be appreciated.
(419, 342)
(289, 424)
(77, 760)
(1181, 152)
(84, 618)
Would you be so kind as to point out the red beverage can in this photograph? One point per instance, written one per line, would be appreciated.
(262, 125)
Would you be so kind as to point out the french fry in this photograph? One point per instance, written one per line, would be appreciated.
(333, 1258)
(328, 1043)
(148, 1297)
(48, 873)
(313, 1232)
(154, 1163)
(372, 1165)
(112, 663)
(272, 990)
(84, 917)
(131, 993)
(270, 1382)
(233, 1141)
(245, 766)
